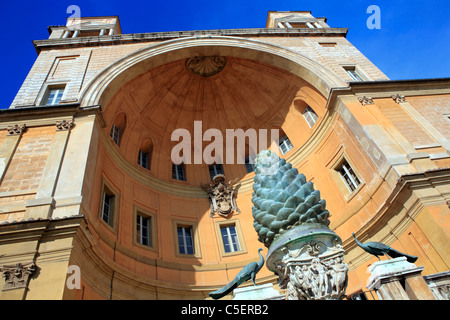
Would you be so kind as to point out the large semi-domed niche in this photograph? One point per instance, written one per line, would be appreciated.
(222, 92)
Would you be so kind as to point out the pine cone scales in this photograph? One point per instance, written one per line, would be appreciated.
(282, 198)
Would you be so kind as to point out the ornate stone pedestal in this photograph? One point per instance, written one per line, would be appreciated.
(398, 279)
(308, 260)
(262, 292)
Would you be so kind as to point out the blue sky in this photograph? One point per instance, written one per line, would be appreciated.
(413, 42)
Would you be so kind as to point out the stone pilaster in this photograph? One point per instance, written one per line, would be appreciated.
(9, 146)
(42, 205)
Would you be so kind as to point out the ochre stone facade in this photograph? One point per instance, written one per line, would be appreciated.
(393, 136)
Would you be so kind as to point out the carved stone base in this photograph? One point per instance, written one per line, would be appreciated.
(398, 279)
(309, 263)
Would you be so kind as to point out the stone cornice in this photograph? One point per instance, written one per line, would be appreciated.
(388, 88)
(161, 36)
(44, 115)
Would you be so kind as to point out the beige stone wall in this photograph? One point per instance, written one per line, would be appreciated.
(76, 66)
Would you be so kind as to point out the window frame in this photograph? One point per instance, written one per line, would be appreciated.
(341, 158)
(113, 212)
(283, 141)
(215, 170)
(176, 177)
(186, 236)
(194, 235)
(307, 115)
(232, 243)
(248, 165)
(152, 229)
(219, 225)
(349, 176)
(115, 134)
(146, 164)
(353, 70)
(59, 88)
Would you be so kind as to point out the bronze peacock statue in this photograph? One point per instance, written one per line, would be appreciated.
(378, 249)
(247, 273)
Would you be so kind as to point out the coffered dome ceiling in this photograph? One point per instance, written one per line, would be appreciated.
(222, 92)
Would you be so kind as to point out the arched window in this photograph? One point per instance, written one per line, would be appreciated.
(145, 154)
(249, 160)
(118, 128)
(308, 113)
(215, 169)
(284, 143)
(178, 172)
(310, 116)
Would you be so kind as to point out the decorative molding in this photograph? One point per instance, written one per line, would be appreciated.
(399, 98)
(365, 100)
(222, 196)
(152, 36)
(65, 125)
(17, 129)
(17, 276)
(206, 66)
(313, 271)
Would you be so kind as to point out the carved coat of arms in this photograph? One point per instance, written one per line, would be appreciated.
(222, 196)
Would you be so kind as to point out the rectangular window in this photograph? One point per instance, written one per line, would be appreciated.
(310, 116)
(328, 44)
(348, 176)
(143, 158)
(353, 73)
(53, 96)
(230, 238)
(298, 25)
(143, 230)
(285, 145)
(249, 164)
(185, 240)
(115, 134)
(215, 169)
(108, 202)
(178, 172)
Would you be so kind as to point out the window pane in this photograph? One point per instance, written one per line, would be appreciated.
(215, 169)
(115, 134)
(107, 208)
(181, 244)
(143, 232)
(143, 159)
(348, 175)
(310, 116)
(178, 172)
(230, 239)
(285, 145)
(54, 96)
(354, 74)
(185, 243)
(188, 241)
(226, 243)
(249, 164)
